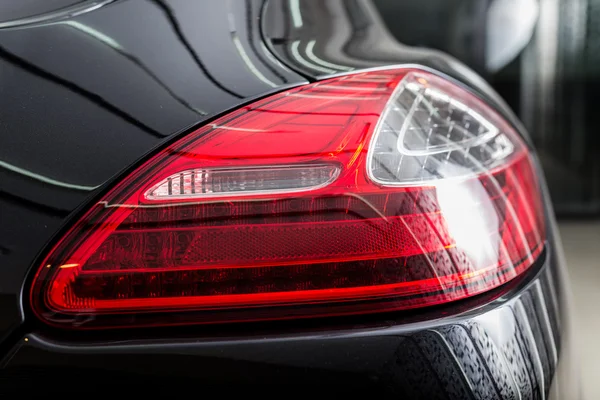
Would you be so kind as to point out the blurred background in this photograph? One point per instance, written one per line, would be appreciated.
(543, 57)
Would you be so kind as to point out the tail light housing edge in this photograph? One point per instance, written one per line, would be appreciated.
(369, 192)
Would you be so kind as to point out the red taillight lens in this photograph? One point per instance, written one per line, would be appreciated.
(371, 192)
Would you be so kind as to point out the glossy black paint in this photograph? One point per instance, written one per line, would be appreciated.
(82, 98)
(85, 97)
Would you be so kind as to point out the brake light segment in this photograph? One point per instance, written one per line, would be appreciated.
(371, 192)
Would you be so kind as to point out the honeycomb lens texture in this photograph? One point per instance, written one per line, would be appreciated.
(427, 133)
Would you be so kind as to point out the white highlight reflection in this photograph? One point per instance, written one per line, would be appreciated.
(311, 54)
(472, 219)
(296, 14)
(296, 54)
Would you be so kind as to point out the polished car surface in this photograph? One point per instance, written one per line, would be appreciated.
(88, 92)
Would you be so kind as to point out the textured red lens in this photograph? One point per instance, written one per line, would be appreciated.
(220, 242)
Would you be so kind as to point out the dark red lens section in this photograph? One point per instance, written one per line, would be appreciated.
(349, 246)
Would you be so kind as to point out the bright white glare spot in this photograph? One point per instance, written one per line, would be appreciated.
(472, 220)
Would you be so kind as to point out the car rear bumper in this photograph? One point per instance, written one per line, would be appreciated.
(516, 345)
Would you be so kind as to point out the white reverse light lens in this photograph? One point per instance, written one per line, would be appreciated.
(426, 134)
(216, 182)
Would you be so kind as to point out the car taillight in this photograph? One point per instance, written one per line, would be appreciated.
(371, 192)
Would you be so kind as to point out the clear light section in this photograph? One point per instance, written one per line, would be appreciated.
(215, 182)
(426, 134)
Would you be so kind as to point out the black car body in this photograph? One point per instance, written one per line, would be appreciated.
(91, 89)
